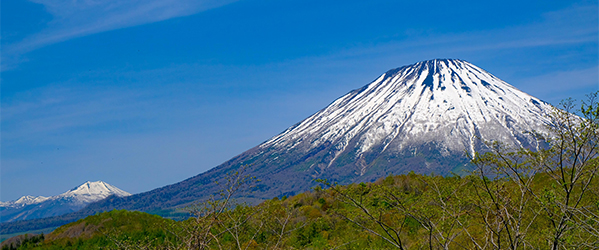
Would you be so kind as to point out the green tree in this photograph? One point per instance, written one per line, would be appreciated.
(556, 185)
(220, 215)
(572, 164)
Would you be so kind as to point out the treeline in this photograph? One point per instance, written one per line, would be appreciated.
(406, 211)
(23, 241)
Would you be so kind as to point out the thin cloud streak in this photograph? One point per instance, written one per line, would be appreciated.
(74, 19)
(49, 111)
(566, 27)
(557, 84)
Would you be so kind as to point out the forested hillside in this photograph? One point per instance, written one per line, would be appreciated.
(407, 211)
(516, 198)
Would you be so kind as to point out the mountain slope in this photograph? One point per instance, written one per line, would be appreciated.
(421, 117)
(29, 207)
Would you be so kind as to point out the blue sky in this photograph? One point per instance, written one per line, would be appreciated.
(142, 94)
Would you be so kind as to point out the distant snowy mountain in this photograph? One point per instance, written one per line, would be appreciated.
(93, 191)
(422, 117)
(23, 201)
(30, 207)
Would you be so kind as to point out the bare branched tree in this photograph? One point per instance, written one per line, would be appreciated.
(388, 230)
(505, 195)
(556, 183)
(215, 216)
(572, 164)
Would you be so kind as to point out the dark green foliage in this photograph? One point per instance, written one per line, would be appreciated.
(105, 230)
(23, 242)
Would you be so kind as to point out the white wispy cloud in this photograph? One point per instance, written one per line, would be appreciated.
(556, 86)
(570, 26)
(52, 110)
(77, 18)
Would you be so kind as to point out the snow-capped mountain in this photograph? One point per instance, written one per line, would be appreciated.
(423, 117)
(93, 191)
(23, 201)
(450, 104)
(30, 207)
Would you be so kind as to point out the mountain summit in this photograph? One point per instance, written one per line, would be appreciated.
(93, 191)
(422, 117)
(30, 207)
(446, 105)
